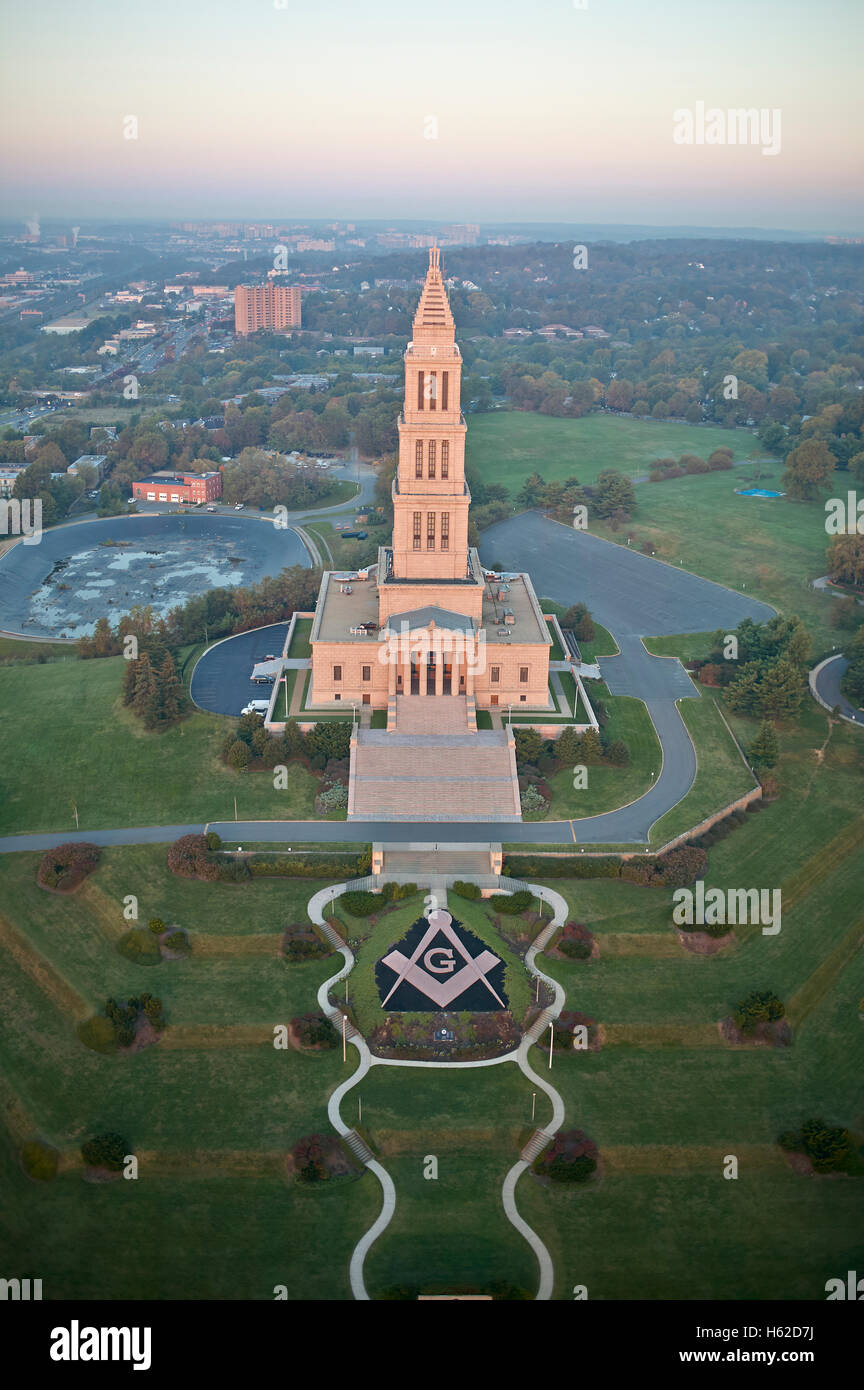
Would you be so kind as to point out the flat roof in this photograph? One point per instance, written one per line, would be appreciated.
(528, 623)
(337, 612)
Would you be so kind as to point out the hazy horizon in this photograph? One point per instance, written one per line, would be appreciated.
(487, 113)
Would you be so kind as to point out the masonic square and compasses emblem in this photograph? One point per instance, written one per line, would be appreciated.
(442, 966)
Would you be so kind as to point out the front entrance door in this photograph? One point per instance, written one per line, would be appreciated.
(448, 678)
(415, 677)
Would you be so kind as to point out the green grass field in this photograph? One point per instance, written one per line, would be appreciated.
(213, 1110)
(770, 548)
(87, 750)
(609, 787)
(721, 774)
(507, 446)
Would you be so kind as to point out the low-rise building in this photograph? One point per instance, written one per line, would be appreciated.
(179, 487)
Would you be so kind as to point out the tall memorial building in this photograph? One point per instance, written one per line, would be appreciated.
(425, 633)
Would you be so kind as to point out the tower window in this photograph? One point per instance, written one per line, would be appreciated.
(418, 459)
(420, 390)
(430, 530)
(432, 391)
(418, 522)
(445, 389)
(431, 456)
(445, 530)
(445, 458)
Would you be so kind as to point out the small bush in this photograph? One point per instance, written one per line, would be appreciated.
(105, 1151)
(360, 904)
(156, 925)
(238, 755)
(140, 946)
(511, 904)
(314, 1030)
(189, 858)
(63, 869)
(471, 891)
(99, 1034)
(214, 841)
(39, 1161)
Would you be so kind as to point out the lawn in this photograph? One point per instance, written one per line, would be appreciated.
(505, 447)
(601, 644)
(609, 787)
(210, 1123)
(769, 548)
(88, 751)
(300, 644)
(721, 774)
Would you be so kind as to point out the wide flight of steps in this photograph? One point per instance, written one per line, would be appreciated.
(431, 768)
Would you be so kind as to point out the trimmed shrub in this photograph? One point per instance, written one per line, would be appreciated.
(314, 1030)
(571, 1157)
(140, 946)
(98, 1033)
(156, 925)
(576, 941)
(189, 858)
(471, 891)
(511, 904)
(360, 904)
(63, 869)
(759, 1006)
(238, 755)
(335, 798)
(105, 1151)
(213, 840)
(39, 1160)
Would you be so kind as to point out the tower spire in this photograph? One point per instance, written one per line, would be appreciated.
(433, 321)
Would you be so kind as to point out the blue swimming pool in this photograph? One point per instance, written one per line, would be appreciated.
(757, 492)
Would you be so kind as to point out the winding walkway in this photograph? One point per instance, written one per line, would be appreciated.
(317, 905)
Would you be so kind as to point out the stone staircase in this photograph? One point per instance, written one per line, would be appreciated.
(358, 1146)
(433, 776)
(536, 1144)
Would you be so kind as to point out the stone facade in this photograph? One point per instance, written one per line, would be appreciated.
(427, 620)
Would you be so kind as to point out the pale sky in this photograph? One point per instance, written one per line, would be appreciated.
(544, 111)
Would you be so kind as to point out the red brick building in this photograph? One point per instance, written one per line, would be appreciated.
(266, 306)
(179, 487)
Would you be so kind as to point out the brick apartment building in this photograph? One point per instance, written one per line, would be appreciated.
(266, 306)
(179, 487)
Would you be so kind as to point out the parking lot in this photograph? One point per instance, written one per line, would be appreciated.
(221, 679)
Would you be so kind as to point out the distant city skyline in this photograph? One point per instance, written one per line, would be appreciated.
(485, 112)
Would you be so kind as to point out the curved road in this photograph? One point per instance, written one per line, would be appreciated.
(826, 678)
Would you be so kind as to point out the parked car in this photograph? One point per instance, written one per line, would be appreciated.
(238, 506)
(270, 657)
(355, 535)
(256, 707)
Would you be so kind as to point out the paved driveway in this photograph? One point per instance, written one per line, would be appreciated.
(625, 591)
(828, 685)
(220, 682)
(634, 596)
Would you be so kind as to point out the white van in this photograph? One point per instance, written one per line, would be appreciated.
(256, 707)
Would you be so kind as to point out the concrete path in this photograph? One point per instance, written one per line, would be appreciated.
(316, 908)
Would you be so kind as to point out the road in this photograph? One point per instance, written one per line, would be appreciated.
(827, 680)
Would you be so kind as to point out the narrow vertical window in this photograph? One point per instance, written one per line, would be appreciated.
(420, 390)
(433, 391)
(337, 673)
(445, 530)
(445, 458)
(445, 389)
(523, 675)
(418, 459)
(418, 522)
(431, 456)
(430, 530)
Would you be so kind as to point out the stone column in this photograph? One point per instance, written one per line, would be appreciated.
(439, 672)
(455, 668)
(469, 669)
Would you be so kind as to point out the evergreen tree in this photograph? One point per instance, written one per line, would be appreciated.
(145, 701)
(765, 748)
(171, 691)
(567, 747)
(590, 747)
